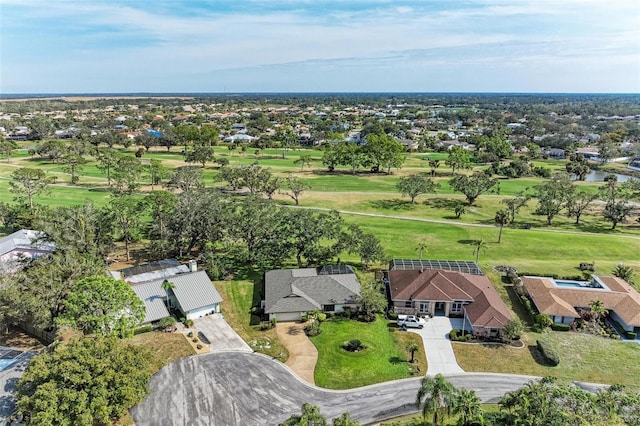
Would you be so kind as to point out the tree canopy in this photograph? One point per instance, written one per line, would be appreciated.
(88, 381)
(102, 305)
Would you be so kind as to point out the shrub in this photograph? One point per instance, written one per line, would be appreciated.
(304, 317)
(514, 329)
(454, 333)
(274, 321)
(190, 334)
(392, 315)
(544, 320)
(188, 323)
(265, 326)
(167, 322)
(198, 346)
(313, 329)
(630, 335)
(194, 340)
(353, 345)
(143, 329)
(560, 327)
(321, 316)
(548, 352)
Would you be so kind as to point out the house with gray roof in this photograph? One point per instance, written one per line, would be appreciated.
(22, 245)
(290, 293)
(193, 293)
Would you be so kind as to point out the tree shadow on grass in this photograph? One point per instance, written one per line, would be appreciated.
(397, 360)
(395, 204)
(537, 356)
(441, 203)
(467, 242)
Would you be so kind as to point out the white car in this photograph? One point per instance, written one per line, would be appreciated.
(410, 321)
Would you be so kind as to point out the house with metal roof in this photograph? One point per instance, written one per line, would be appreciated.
(290, 293)
(192, 293)
(22, 245)
(449, 292)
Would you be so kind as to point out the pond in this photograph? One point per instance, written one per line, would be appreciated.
(598, 176)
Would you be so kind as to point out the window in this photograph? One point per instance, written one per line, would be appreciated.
(329, 308)
(407, 304)
(424, 307)
(456, 307)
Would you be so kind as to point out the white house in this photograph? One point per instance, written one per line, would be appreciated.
(22, 245)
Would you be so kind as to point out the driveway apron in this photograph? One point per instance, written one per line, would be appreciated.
(437, 347)
(215, 331)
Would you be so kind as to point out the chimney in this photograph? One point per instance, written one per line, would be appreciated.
(193, 266)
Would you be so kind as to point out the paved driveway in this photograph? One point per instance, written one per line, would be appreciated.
(303, 354)
(437, 347)
(215, 331)
(241, 388)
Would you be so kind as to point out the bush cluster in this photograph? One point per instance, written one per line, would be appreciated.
(529, 306)
(457, 336)
(143, 329)
(353, 345)
(548, 352)
(560, 327)
(313, 329)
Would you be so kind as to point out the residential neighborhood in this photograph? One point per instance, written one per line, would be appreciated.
(335, 245)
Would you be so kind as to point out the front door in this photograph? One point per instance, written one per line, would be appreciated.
(439, 308)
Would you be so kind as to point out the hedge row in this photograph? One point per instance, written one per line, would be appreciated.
(143, 329)
(560, 327)
(627, 334)
(548, 352)
(457, 336)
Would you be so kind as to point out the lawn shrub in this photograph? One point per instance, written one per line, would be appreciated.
(313, 329)
(392, 315)
(560, 327)
(353, 345)
(143, 329)
(548, 352)
(321, 316)
(456, 335)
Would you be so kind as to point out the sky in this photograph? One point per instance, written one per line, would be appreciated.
(231, 46)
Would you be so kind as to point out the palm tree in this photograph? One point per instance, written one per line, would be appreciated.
(438, 395)
(166, 286)
(597, 310)
(502, 218)
(467, 407)
(412, 347)
(479, 246)
(422, 247)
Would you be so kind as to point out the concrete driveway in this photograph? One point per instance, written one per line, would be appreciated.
(303, 354)
(240, 388)
(437, 347)
(215, 331)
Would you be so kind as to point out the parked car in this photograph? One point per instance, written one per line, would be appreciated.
(410, 321)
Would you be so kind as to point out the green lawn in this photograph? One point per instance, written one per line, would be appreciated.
(237, 299)
(583, 357)
(382, 361)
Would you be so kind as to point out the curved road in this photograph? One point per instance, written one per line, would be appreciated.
(244, 389)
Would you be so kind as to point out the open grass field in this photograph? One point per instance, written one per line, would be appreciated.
(381, 361)
(237, 299)
(583, 357)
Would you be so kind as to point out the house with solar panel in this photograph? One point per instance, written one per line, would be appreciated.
(291, 293)
(447, 288)
(192, 293)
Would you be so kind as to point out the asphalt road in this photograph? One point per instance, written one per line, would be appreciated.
(240, 388)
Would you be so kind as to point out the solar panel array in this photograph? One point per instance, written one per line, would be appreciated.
(447, 265)
(335, 270)
(149, 267)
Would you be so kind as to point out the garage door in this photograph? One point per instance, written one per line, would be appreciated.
(288, 316)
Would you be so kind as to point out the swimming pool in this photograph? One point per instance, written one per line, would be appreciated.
(561, 283)
(578, 284)
(6, 363)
